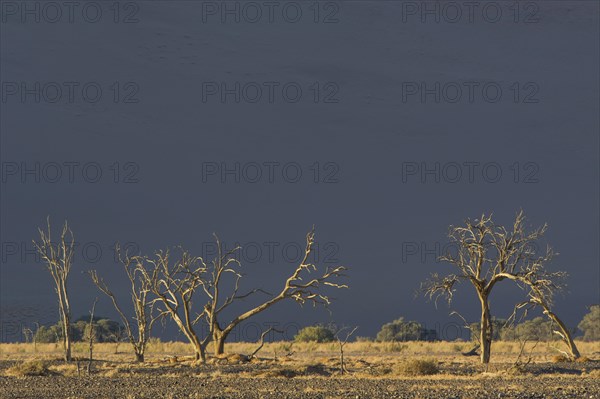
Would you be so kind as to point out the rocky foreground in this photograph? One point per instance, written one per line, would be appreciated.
(209, 387)
(550, 381)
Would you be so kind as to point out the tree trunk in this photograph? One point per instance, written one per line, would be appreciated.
(219, 342)
(485, 333)
(139, 357)
(566, 335)
(342, 367)
(200, 355)
(199, 350)
(67, 338)
(68, 356)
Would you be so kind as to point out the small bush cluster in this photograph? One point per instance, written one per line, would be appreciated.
(400, 330)
(316, 333)
(105, 330)
(418, 367)
(590, 325)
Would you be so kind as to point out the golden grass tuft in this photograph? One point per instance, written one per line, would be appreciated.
(230, 358)
(27, 368)
(560, 359)
(593, 373)
(66, 370)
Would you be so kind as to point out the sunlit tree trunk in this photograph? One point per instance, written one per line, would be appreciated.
(565, 335)
(485, 333)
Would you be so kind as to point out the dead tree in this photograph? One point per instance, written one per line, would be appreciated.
(143, 309)
(35, 336)
(92, 336)
(59, 259)
(261, 341)
(27, 334)
(174, 284)
(487, 253)
(294, 288)
(342, 342)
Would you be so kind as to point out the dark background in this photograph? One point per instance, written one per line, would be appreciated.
(365, 129)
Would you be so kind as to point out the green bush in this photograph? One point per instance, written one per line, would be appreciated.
(105, 330)
(316, 333)
(49, 334)
(590, 325)
(400, 330)
(537, 329)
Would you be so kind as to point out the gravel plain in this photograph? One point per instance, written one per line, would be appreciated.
(577, 381)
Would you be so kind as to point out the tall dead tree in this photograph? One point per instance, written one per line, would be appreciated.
(174, 283)
(487, 253)
(59, 260)
(143, 307)
(298, 287)
(91, 331)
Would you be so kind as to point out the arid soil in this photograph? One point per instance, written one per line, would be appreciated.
(251, 380)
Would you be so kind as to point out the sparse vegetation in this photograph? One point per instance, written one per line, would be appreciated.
(193, 293)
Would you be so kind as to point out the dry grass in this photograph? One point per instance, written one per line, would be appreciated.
(159, 350)
(35, 367)
(307, 360)
(559, 359)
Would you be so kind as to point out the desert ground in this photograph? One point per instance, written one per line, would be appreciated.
(301, 370)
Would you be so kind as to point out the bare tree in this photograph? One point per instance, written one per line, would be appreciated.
(59, 259)
(342, 342)
(294, 288)
(118, 337)
(261, 341)
(28, 335)
(519, 365)
(486, 254)
(91, 336)
(143, 307)
(174, 284)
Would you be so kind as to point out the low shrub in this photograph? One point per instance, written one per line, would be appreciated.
(400, 330)
(29, 368)
(418, 367)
